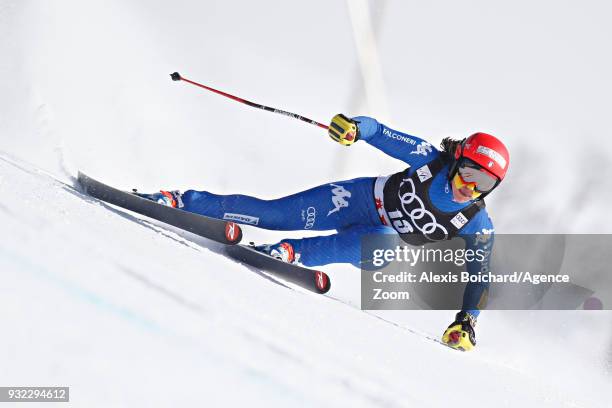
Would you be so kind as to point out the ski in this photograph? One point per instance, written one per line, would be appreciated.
(310, 279)
(221, 231)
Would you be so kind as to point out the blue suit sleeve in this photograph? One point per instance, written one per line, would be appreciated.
(479, 237)
(412, 150)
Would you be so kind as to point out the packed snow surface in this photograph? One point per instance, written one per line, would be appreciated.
(129, 312)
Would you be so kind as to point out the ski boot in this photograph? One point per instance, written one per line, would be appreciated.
(283, 251)
(167, 198)
(460, 334)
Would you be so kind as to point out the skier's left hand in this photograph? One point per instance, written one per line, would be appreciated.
(460, 334)
(343, 130)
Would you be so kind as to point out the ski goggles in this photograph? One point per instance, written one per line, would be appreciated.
(471, 172)
(459, 184)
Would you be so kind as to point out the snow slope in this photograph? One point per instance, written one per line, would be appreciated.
(131, 314)
(128, 313)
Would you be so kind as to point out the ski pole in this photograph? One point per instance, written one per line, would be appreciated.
(177, 77)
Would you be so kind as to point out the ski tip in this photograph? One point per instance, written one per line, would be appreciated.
(80, 182)
(233, 233)
(322, 282)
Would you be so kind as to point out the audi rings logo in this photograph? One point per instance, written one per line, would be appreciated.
(311, 215)
(420, 218)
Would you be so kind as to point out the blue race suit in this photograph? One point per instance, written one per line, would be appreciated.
(348, 207)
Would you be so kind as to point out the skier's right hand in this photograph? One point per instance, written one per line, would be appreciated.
(343, 130)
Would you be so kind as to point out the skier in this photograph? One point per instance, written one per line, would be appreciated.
(440, 196)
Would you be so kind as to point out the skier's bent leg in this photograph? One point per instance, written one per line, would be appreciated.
(239, 208)
(343, 247)
(330, 206)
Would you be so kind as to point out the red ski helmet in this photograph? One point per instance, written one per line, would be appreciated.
(484, 151)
